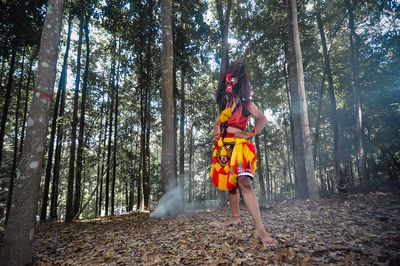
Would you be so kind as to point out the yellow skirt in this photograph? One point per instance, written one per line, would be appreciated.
(232, 157)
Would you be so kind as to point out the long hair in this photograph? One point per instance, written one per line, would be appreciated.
(240, 90)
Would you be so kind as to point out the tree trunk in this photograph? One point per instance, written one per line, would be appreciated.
(115, 140)
(7, 102)
(299, 104)
(69, 209)
(104, 151)
(182, 137)
(288, 159)
(190, 163)
(60, 90)
(260, 172)
(354, 48)
(291, 123)
(16, 130)
(335, 126)
(317, 127)
(224, 28)
(107, 192)
(168, 174)
(80, 151)
(267, 172)
(18, 236)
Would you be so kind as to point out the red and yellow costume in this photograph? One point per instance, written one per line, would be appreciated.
(232, 157)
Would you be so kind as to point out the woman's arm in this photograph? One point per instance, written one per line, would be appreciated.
(259, 116)
(261, 121)
(217, 131)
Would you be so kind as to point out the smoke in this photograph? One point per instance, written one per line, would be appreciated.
(171, 203)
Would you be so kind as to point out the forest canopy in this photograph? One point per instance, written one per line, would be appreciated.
(105, 121)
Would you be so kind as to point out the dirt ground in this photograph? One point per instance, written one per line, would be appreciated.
(359, 229)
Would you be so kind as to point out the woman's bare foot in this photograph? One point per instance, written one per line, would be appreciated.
(234, 220)
(266, 239)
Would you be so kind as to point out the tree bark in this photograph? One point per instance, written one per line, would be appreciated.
(260, 172)
(182, 137)
(115, 137)
(300, 106)
(107, 192)
(224, 29)
(69, 209)
(18, 236)
(168, 174)
(190, 163)
(80, 149)
(267, 172)
(354, 48)
(7, 102)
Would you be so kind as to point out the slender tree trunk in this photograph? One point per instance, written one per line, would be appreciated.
(335, 126)
(168, 174)
(182, 137)
(354, 48)
(115, 141)
(46, 186)
(267, 172)
(288, 159)
(103, 157)
(224, 29)
(300, 104)
(107, 192)
(16, 130)
(317, 127)
(16, 247)
(55, 121)
(7, 102)
(291, 123)
(190, 163)
(260, 172)
(80, 149)
(69, 211)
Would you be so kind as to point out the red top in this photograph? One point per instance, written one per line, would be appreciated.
(238, 120)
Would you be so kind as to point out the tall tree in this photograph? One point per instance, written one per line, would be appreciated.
(80, 150)
(69, 211)
(182, 137)
(16, 248)
(354, 48)
(224, 30)
(58, 117)
(261, 172)
(168, 174)
(334, 122)
(299, 104)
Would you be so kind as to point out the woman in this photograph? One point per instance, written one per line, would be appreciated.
(234, 157)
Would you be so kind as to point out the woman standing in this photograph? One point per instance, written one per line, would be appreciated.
(234, 157)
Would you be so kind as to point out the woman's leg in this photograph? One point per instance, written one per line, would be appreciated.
(252, 205)
(234, 198)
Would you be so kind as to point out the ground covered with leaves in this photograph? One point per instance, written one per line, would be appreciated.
(352, 230)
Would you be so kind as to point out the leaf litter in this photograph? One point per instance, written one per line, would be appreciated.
(356, 229)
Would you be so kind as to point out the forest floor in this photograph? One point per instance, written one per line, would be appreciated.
(358, 229)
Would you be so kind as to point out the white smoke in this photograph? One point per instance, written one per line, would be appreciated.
(171, 203)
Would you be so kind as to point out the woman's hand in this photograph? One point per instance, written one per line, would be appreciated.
(242, 135)
(217, 135)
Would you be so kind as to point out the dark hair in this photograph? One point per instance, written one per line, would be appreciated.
(240, 90)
